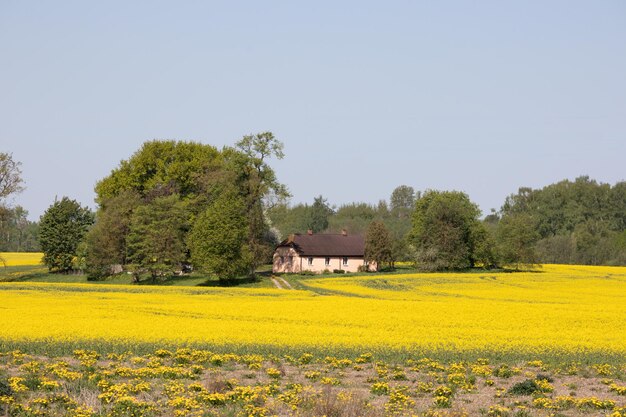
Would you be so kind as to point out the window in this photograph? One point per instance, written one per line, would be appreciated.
(345, 261)
(310, 261)
(327, 261)
(282, 259)
(290, 259)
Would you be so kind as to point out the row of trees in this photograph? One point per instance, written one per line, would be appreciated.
(175, 204)
(577, 222)
(17, 233)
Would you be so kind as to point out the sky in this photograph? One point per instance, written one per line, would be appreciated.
(482, 97)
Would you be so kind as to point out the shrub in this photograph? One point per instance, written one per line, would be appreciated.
(526, 387)
(338, 271)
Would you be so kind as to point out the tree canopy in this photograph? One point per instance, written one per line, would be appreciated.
(444, 231)
(576, 221)
(149, 204)
(61, 230)
(378, 244)
(219, 239)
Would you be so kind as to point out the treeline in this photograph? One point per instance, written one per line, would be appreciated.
(574, 222)
(571, 222)
(321, 217)
(17, 233)
(175, 205)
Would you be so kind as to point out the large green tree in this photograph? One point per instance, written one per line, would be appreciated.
(256, 183)
(402, 201)
(62, 228)
(319, 213)
(444, 230)
(156, 236)
(516, 237)
(107, 241)
(378, 244)
(219, 239)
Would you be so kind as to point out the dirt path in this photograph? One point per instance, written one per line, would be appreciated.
(277, 284)
(285, 283)
(281, 284)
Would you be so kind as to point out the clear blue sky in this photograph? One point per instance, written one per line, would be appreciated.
(478, 96)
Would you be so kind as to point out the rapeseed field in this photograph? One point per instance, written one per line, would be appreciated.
(556, 311)
(21, 258)
(549, 342)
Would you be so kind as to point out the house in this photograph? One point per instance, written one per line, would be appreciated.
(321, 252)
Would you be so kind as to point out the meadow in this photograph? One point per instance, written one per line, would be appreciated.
(396, 344)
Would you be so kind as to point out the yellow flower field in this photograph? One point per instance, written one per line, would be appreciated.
(21, 258)
(560, 309)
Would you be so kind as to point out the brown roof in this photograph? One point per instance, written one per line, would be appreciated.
(326, 245)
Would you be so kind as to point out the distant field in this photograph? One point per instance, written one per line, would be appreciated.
(21, 258)
(561, 311)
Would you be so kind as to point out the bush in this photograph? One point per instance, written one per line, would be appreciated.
(526, 387)
(338, 271)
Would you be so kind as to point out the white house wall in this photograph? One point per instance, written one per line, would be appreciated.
(299, 264)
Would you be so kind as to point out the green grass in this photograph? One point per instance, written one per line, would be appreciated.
(39, 273)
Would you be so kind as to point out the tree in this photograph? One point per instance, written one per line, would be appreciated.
(218, 240)
(256, 181)
(378, 244)
(156, 236)
(402, 201)
(62, 228)
(10, 176)
(162, 168)
(354, 217)
(443, 231)
(319, 213)
(107, 241)
(17, 233)
(516, 239)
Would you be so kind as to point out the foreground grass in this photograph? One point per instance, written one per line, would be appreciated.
(189, 382)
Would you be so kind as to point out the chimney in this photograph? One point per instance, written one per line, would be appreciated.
(309, 232)
(344, 232)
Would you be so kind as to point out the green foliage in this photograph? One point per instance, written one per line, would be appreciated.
(378, 244)
(526, 387)
(163, 168)
(150, 202)
(516, 238)
(402, 201)
(107, 241)
(255, 181)
(62, 228)
(354, 217)
(18, 233)
(319, 213)
(218, 240)
(576, 221)
(444, 230)
(156, 235)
